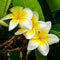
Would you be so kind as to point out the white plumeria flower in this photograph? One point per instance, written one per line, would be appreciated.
(36, 26)
(42, 40)
(19, 16)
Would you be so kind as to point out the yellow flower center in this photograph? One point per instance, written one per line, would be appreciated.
(42, 36)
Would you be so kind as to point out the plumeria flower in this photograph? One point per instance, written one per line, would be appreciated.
(42, 40)
(36, 26)
(19, 16)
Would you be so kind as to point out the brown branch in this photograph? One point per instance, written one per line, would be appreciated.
(12, 42)
(11, 39)
(16, 49)
(5, 47)
(7, 41)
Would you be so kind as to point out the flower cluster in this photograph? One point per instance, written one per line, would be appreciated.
(32, 28)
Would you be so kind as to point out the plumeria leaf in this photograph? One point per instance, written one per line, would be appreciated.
(4, 5)
(56, 30)
(56, 27)
(39, 56)
(54, 5)
(15, 55)
(27, 3)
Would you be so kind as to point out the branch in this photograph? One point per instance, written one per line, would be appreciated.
(17, 49)
(8, 45)
(11, 39)
(8, 41)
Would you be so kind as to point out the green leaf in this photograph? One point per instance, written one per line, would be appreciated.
(4, 4)
(54, 5)
(15, 56)
(32, 4)
(39, 56)
(56, 30)
(56, 27)
(6, 7)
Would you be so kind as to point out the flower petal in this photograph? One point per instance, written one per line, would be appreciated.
(16, 10)
(42, 25)
(33, 44)
(37, 26)
(43, 33)
(45, 25)
(20, 31)
(35, 17)
(29, 13)
(53, 39)
(24, 23)
(9, 16)
(13, 23)
(29, 34)
(48, 24)
(43, 48)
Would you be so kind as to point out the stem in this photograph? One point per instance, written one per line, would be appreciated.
(26, 57)
(28, 52)
(21, 55)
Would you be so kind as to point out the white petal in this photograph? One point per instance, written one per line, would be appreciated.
(20, 31)
(36, 14)
(43, 49)
(33, 44)
(42, 25)
(45, 25)
(26, 24)
(30, 13)
(53, 38)
(29, 34)
(13, 23)
(48, 24)
(9, 16)
(35, 17)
